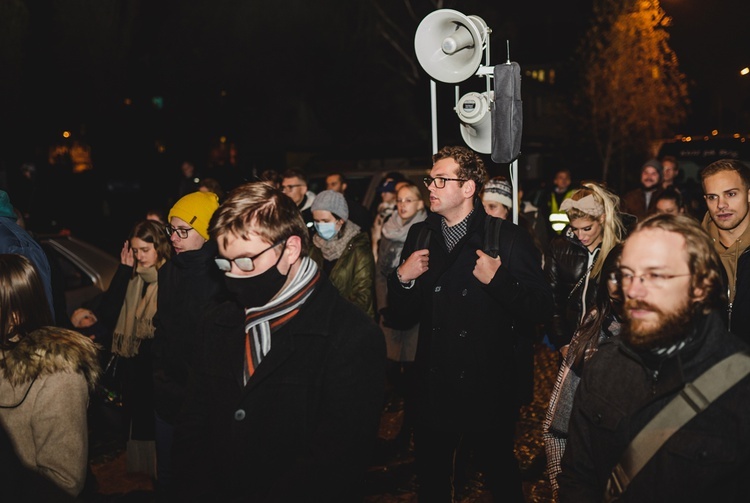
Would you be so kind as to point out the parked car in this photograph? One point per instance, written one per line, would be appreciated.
(85, 269)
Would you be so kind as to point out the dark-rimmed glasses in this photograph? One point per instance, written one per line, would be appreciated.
(243, 263)
(181, 233)
(440, 181)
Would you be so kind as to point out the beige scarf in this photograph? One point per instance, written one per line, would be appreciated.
(135, 321)
(333, 249)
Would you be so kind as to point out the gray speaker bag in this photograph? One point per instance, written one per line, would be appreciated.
(507, 113)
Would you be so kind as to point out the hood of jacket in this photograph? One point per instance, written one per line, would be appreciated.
(48, 350)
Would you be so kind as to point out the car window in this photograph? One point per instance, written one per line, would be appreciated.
(73, 276)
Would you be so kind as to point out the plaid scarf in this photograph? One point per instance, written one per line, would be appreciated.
(261, 322)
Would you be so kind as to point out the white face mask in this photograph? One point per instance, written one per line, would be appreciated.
(326, 230)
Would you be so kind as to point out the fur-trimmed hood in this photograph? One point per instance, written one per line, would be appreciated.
(49, 350)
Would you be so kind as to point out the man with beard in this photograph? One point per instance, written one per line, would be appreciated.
(289, 382)
(726, 185)
(641, 201)
(673, 332)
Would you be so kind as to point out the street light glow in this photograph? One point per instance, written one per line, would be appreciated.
(745, 71)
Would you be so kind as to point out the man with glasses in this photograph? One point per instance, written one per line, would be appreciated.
(673, 292)
(466, 302)
(294, 185)
(726, 188)
(188, 282)
(286, 400)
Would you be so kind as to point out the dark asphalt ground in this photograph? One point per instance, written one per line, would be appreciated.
(390, 478)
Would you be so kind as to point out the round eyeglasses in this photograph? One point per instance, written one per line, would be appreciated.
(181, 233)
(649, 279)
(243, 263)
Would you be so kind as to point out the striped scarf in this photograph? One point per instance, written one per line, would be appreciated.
(261, 322)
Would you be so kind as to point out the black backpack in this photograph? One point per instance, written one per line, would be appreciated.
(492, 242)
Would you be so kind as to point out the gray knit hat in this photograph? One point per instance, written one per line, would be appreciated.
(654, 163)
(330, 200)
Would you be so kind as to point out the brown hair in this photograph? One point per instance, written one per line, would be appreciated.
(23, 303)
(265, 210)
(726, 165)
(470, 165)
(151, 232)
(703, 260)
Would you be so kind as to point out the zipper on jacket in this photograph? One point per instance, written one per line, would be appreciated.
(729, 317)
(654, 380)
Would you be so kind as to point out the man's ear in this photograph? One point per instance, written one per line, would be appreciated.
(699, 294)
(469, 189)
(293, 249)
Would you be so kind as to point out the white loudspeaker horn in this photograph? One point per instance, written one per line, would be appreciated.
(449, 45)
(473, 111)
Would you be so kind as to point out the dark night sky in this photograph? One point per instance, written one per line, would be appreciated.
(278, 55)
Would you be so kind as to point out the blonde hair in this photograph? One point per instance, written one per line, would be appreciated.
(613, 231)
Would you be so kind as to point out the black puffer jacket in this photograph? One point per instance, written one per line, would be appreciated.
(565, 265)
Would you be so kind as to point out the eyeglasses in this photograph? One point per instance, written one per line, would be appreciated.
(649, 279)
(290, 187)
(182, 233)
(440, 181)
(243, 263)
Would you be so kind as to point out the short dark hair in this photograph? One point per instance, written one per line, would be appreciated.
(295, 173)
(672, 159)
(341, 176)
(671, 194)
(470, 165)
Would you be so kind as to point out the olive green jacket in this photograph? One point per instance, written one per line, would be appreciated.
(354, 272)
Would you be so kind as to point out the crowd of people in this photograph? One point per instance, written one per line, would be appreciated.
(251, 338)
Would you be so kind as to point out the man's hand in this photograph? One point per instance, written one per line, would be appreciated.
(486, 267)
(413, 267)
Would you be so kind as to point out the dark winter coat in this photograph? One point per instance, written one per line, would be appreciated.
(302, 428)
(706, 460)
(740, 316)
(467, 376)
(134, 374)
(565, 264)
(634, 203)
(188, 283)
(14, 239)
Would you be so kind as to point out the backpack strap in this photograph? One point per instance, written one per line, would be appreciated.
(423, 238)
(694, 398)
(493, 245)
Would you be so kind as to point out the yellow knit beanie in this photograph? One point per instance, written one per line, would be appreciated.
(196, 209)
